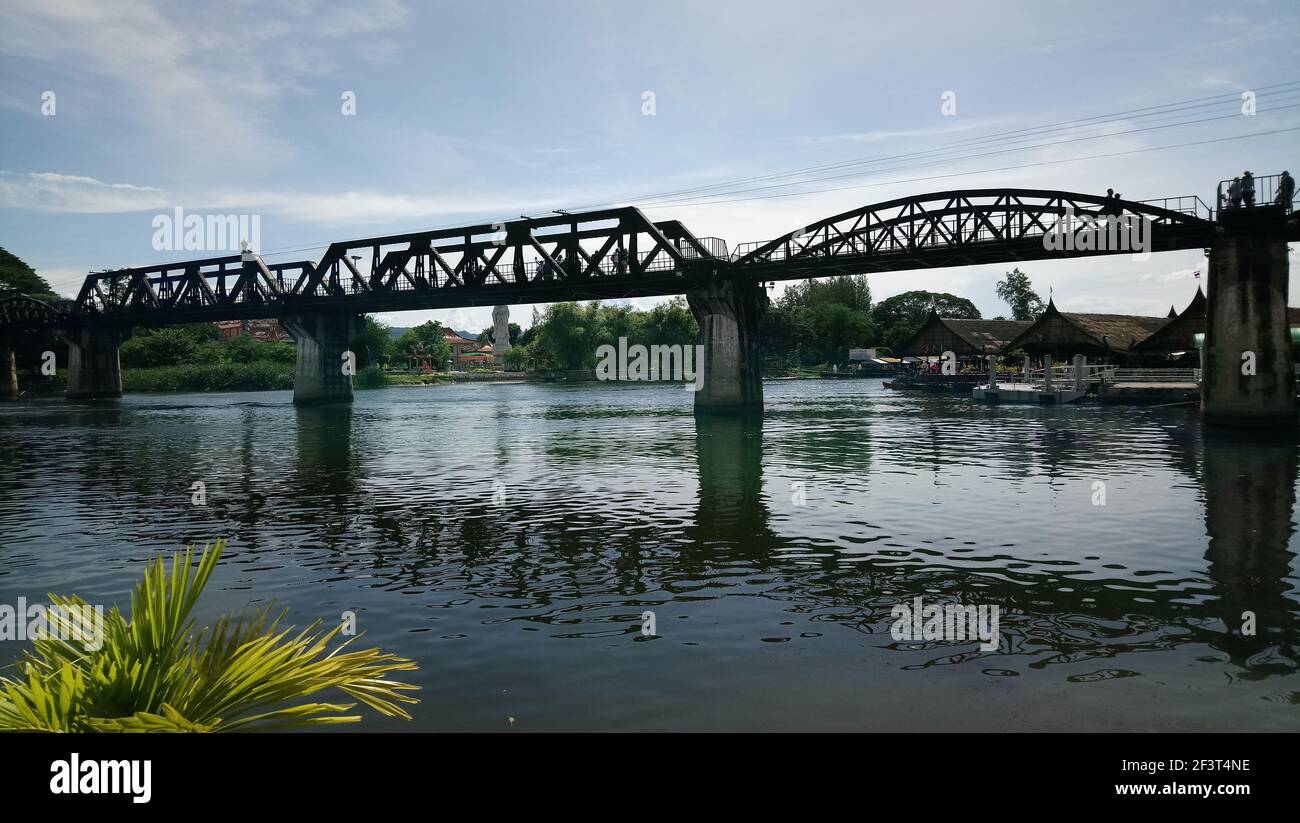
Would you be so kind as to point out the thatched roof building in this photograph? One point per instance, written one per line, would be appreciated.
(1064, 334)
(1179, 334)
(962, 337)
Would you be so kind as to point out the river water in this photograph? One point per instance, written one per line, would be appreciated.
(509, 537)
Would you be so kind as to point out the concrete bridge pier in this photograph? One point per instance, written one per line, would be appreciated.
(1249, 371)
(324, 370)
(94, 367)
(8, 370)
(728, 313)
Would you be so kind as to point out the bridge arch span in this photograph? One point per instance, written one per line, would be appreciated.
(21, 312)
(959, 227)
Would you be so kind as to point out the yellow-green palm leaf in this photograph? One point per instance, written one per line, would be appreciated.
(153, 673)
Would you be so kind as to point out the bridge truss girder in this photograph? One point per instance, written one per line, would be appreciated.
(953, 228)
(605, 254)
(610, 253)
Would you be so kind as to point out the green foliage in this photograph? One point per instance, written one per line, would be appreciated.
(215, 376)
(667, 324)
(154, 673)
(170, 346)
(566, 337)
(192, 358)
(568, 334)
(898, 317)
(430, 336)
(371, 377)
(516, 359)
(487, 335)
(244, 349)
(1018, 293)
(818, 321)
(15, 274)
(371, 345)
(852, 291)
(413, 379)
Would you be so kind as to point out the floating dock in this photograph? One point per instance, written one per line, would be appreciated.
(1033, 394)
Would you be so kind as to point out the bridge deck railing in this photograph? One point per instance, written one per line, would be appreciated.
(509, 272)
(1267, 193)
(1189, 204)
(1153, 376)
(716, 247)
(1064, 375)
(341, 278)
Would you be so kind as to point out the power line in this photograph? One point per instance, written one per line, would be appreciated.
(651, 198)
(678, 198)
(1047, 128)
(999, 168)
(686, 200)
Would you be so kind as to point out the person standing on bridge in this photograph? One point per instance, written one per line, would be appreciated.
(620, 260)
(1285, 191)
(1248, 188)
(1234, 193)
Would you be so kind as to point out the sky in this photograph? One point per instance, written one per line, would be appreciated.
(114, 113)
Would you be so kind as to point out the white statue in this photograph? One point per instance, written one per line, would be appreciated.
(500, 333)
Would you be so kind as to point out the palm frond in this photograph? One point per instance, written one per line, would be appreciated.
(153, 673)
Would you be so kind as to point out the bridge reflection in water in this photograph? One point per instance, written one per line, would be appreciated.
(770, 614)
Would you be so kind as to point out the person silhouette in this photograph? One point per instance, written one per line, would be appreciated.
(1285, 190)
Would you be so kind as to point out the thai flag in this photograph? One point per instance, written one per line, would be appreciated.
(1196, 274)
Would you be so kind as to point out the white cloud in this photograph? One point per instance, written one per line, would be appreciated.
(353, 208)
(66, 193)
(202, 77)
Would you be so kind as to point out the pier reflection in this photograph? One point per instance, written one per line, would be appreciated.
(731, 514)
(1249, 510)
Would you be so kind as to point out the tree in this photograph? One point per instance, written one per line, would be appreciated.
(15, 274)
(1018, 293)
(244, 349)
(667, 324)
(852, 291)
(170, 346)
(568, 334)
(489, 334)
(818, 321)
(516, 359)
(371, 345)
(898, 317)
(563, 337)
(429, 336)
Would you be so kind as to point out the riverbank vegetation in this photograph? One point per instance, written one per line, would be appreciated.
(812, 325)
(193, 358)
(566, 336)
(92, 671)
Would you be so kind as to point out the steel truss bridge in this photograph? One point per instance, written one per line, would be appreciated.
(605, 254)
